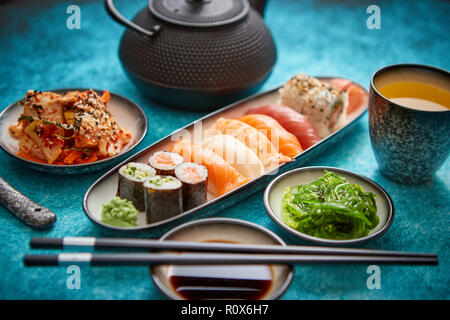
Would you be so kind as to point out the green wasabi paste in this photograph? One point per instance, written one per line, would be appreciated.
(120, 213)
(330, 208)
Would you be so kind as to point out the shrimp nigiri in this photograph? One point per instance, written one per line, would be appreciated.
(292, 121)
(222, 177)
(287, 143)
(252, 138)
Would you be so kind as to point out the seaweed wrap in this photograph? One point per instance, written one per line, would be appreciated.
(324, 105)
(164, 162)
(163, 198)
(194, 177)
(131, 182)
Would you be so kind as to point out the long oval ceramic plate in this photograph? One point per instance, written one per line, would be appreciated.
(104, 189)
(128, 115)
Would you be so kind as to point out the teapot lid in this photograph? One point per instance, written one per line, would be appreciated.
(199, 13)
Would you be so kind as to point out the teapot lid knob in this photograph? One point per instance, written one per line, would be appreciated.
(199, 13)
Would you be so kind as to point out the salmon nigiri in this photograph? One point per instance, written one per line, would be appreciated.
(222, 177)
(287, 143)
(356, 95)
(252, 138)
(292, 121)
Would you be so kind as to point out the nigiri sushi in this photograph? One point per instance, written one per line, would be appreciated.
(287, 143)
(324, 105)
(235, 153)
(292, 121)
(222, 177)
(356, 95)
(252, 138)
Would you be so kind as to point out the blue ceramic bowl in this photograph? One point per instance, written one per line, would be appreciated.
(410, 145)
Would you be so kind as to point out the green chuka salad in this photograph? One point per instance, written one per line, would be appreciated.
(330, 207)
(120, 213)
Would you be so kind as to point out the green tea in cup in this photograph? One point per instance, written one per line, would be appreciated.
(417, 95)
(409, 121)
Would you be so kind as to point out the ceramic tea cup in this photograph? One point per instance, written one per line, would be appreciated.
(409, 121)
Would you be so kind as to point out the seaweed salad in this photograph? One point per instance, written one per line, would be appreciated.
(330, 207)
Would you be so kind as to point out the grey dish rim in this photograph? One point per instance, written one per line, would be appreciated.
(225, 196)
(82, 165)
(276, 295)
(304, 236)
(406, 66)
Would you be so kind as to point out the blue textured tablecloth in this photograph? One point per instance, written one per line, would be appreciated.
(322, 37)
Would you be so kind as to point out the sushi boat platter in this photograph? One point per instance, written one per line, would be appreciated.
(181, 177)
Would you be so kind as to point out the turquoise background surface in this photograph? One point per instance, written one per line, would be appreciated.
(322, 37)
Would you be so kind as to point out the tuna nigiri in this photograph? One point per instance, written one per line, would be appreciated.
(252, 138)
(222, 177)
(292, 121)
(287, 143)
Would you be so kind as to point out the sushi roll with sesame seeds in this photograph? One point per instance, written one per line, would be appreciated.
(164, 162)
(131, 182)
(163, 198)
(194, 177)
(324, 105)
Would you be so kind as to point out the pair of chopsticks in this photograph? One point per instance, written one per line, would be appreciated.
(205, 253)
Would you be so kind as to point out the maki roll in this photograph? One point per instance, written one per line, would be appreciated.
(163, 198)
(164, 162)
(131, 182)
(194, 177)
(324, 105)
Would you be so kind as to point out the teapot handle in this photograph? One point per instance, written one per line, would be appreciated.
(111, 9)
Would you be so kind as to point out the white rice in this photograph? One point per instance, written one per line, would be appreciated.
(139, 166)
(170, 184)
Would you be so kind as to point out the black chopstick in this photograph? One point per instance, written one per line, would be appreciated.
(147, 244)
(136, 259)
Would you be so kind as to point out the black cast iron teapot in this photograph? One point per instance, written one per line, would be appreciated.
(196, 54)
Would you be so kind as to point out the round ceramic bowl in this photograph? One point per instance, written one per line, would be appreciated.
(222, 230)
(275, 190)
(128, 115)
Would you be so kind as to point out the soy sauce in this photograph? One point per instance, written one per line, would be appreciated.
(249, 282)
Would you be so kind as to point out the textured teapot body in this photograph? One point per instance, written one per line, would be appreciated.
(198, 67)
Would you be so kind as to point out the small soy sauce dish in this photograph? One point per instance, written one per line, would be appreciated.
(246, 282)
